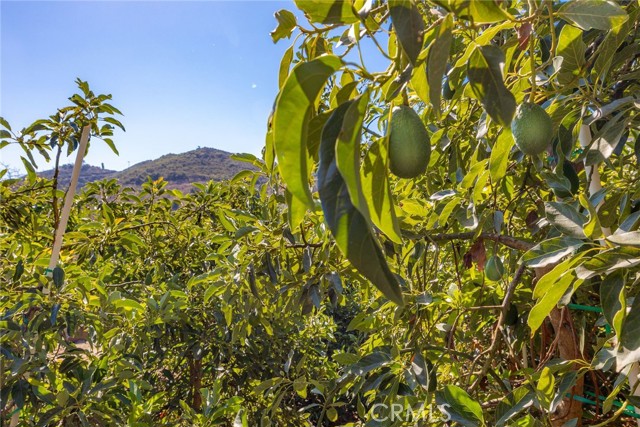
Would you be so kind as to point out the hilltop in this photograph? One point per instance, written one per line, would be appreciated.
(180, 170)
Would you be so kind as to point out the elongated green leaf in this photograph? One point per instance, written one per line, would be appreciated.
(424, 372)
(550, 251)
(419, 82)
(128, 304)
(631, 238)
(571, 48)
(285, 64)
(4, 123)
(615, 37)
(607, 139)
(485, 75)
(348, 152)
(550, 299)
(291, 118)
(630, 337)
(437, 61)
(459, 406)
(409, 26)
(612, 300)
(479, 11)
(296, 210)
(375, 185)
(328, 11)
(549, 280)
(545, 387)
(566, 219)
(350, 229)
(516, 402)
(31, 172)
(588, 14)
(371, 361)
(499, 159)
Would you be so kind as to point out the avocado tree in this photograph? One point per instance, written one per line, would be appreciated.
(486, 183)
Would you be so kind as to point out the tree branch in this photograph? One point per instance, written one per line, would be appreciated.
(509, 241)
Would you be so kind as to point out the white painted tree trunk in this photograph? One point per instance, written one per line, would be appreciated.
(593, 178)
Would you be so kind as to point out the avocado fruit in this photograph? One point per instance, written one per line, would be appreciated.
(409, 145)
(494, 269)
(532, 128)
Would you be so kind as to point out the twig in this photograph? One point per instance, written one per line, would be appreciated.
(509, 241)
(503, 315)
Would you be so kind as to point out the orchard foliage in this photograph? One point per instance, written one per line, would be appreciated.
(564, 224)
(496, 289)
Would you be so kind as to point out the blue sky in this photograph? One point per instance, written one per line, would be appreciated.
(185, 74)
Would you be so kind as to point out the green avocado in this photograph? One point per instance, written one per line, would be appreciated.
(512, 316)
(532, 129)
(493, 269)
(409, 145)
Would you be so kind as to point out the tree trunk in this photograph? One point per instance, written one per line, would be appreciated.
(568, 349)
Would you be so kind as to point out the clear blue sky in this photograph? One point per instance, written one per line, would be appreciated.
(185, 74)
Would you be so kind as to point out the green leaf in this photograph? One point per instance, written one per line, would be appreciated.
(114, 122)
(423, 370)
(546, 282)
(479, 11)
(592, 229)
(606, 140)
(571, 48)
(296, 210)
(348, 152)
(566, 219)
(499, 159)
(588, 14)
(612, 300)
(516, 402)
(328, 11)
(285, 64)
(614, 38)
(545, 387)
(375, 185)
(350, 229)
(460, 407)
(291, 118)
(128, 304)
(630, 338)
(332, 414)
(286, 23)
(4, 123)
(437, 61)
(631, 238)
(409, 26)
(550, 299)
(419, 82)
(31, 173)
(550, 251)
(485, 76)
(368, 363)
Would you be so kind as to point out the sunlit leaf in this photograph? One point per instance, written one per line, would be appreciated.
(485, 75)
(588, 14)
(291, 118)
(409, 27)
(350, 229)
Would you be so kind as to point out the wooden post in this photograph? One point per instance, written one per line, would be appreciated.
(68, 201)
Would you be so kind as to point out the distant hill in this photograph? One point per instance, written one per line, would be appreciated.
(180, 170)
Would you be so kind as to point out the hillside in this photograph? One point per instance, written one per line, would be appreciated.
(180, 170)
